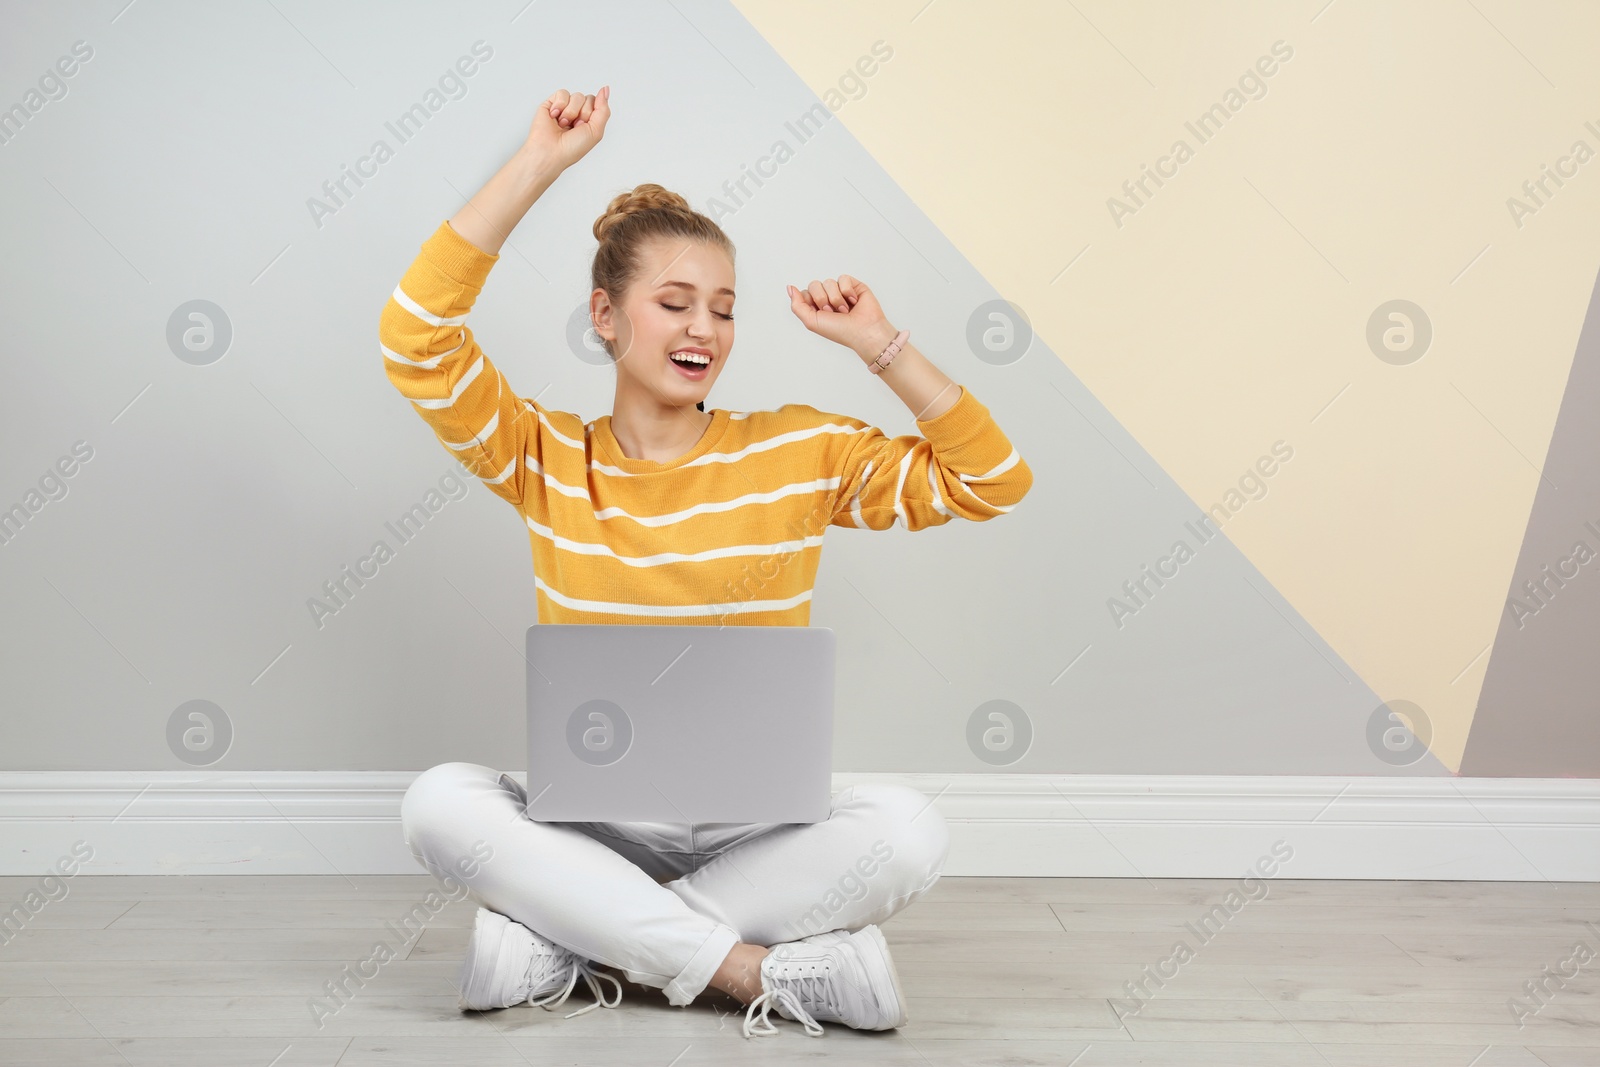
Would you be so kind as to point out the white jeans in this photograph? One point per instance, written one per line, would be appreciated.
(591, 887)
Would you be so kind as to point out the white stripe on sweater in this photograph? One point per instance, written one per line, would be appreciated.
(557, 434)
(421, 364)
(608, 607)
(933, 488)
(714, 507)
(1005, 465)
(855, 501)
(899, 489)
(511, 465)
(589, 548)
(455, 394)
(985, 503)
(563, 488)
(775, 441)
(423, 313)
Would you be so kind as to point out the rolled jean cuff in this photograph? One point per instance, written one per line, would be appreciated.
(696, 975)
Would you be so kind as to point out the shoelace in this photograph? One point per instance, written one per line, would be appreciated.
(816, 988)
(574, 969)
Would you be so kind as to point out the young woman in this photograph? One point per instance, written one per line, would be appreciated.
(663, 512)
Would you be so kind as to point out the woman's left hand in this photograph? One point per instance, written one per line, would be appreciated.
(844, 311)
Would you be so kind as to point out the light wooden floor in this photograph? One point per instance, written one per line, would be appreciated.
(219, 971)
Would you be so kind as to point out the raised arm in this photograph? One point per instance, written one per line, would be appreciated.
(564, 128)
(430, 354)
(964, 467)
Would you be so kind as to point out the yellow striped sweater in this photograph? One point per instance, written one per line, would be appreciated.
(730, 532)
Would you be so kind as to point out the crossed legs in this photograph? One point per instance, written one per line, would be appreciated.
(677, 908)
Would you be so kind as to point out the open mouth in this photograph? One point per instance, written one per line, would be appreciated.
(688, 366)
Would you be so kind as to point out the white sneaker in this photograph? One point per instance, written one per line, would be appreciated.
(507, 964)
(834, 977)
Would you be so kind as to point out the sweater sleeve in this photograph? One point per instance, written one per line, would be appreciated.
(432, 358)
(964, 467)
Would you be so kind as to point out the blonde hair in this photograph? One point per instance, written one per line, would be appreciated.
(643, 213)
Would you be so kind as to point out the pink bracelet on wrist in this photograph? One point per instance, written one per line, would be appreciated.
(890, 350)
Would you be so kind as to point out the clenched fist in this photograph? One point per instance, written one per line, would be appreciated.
(844, 311)
(567, 125)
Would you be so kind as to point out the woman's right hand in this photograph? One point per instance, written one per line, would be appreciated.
(567, 125)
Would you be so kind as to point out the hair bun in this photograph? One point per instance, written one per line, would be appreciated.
(646, 197)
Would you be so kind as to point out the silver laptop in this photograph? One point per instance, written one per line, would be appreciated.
(679, 724)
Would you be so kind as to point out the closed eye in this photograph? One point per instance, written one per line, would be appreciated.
(720, 315)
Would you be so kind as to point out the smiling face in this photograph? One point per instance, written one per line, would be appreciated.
(680, 299)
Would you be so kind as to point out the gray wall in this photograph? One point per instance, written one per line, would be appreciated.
(176, 563)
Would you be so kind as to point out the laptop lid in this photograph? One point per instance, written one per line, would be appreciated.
(679, 724)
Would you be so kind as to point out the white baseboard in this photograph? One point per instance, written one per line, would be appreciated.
(1157, 826)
